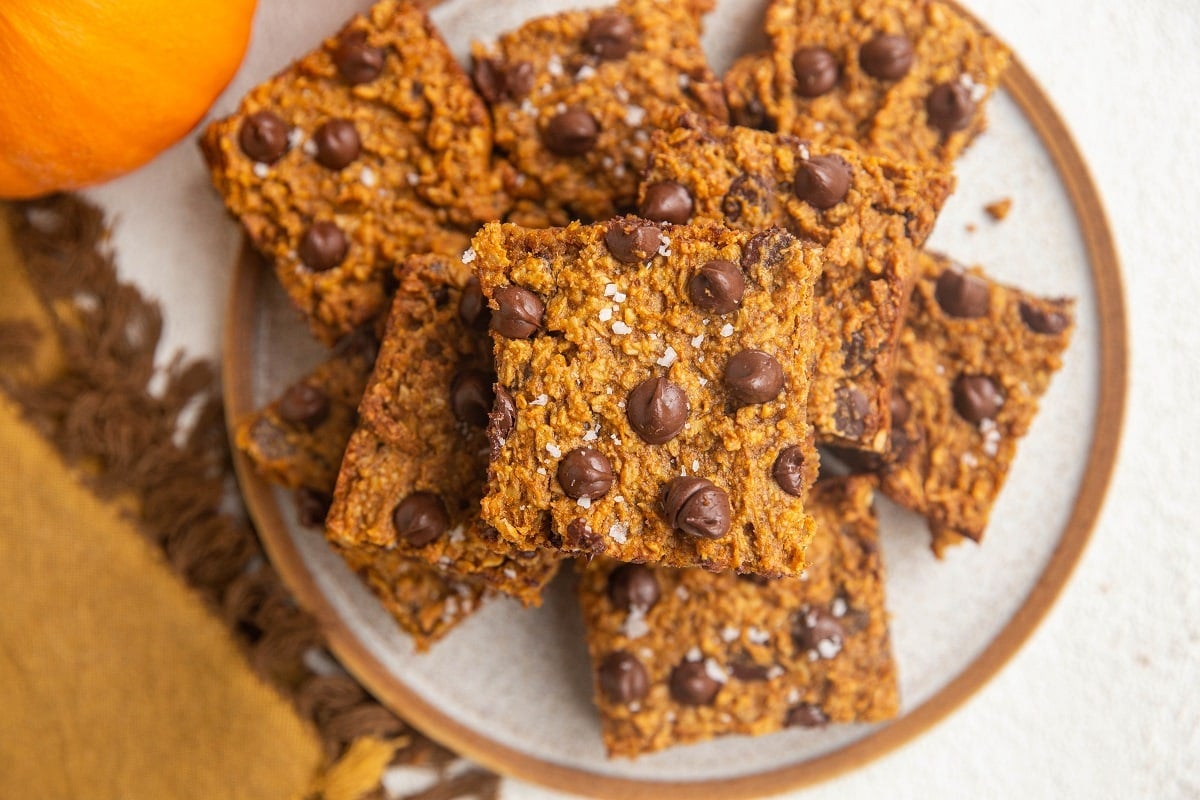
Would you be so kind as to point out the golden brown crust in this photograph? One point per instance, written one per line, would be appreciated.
(608, 327)
(745, 631)
(744, 178)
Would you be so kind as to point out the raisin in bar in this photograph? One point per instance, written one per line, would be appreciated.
(414, 470)
(902, 78)
(574, 97)
(369, 149)
(974, 359)
(653, 392)
(686, 655)
(871, 215)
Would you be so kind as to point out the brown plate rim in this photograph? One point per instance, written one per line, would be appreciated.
(390, 690)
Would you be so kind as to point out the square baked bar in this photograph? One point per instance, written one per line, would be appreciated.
(415, 466)
(653, 392)
(871, 215)
(575, 96)
(372, 148)
(686, 655)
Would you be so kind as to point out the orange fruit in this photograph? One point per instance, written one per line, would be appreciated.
(90, 89)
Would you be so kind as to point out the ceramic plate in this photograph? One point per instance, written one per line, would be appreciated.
(511, 688)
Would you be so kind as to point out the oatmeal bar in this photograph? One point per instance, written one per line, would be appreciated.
(974, 359)
(414, 469)
(653, 387)
(687, 655)
(574, 97)
(369, 149)
(870, 215)
(903, 78)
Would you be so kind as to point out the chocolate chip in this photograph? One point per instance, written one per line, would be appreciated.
(751, 115)
(337, 143)
(471, 396)
(609, 36)
(1041, 320)
(420, 518)
(518, 79)
(753, 376)
(691, 684)
(887, 57)
(580, 537)
(697, 507)
(323, 246)
(850, 412)
(472, 308)
(765, 249)
(816, 630)
(312, 507)
(502, 419)
(899, 408)
(822, 181)
(304, 405)
(263, 137)
(571, 133)
(792, 471)
(488, 77)
(623, 679)
(718, 287)
(746, 670)
(747, 195)
(657, 410)
(949, 107)
(585, 472)
(356, 61)
(632, 242)
(961, 294)
(806, 715)
(633, 586)
(976, 398)
(520, 313)
(667, 201)
(816, 71)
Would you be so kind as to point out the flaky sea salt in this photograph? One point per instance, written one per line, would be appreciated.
(698, 340)
(714, 671)
(584, 502)
(635, 115)
(620, 328)
(468, 255)
(694, 654)
(668, 358)
(610, 289)
(261, 170)
(367, 177)
(619, 532)
(729, 634)
(838, 607)
(540, 400)
(553, 450)
(727, 330)
(585, 72)
(606, 314)
(635, 625)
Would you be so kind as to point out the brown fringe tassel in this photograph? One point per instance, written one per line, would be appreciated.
(158, 436)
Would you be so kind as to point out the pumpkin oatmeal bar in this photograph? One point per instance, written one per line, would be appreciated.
(686, 655)
(371, 148)
(652, 392)
(871, 215)
(902, 79)
(575, 96)
(414, 469)
(974, 359)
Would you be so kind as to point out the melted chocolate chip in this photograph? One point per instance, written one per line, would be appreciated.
(580, 536)
(753, 376)
(851, 410)
(585, 472)
(887, 57)
(337, 143)
(718, 287)
(976, 398)
(822, 181)
(816, 630)
(691, 684)
(667, 201)
(961, 294)
(498, 81)
(356, 61)
(471, 396)
(420, 518)
(747, 197)
(632, 242)
(899, 408)
(816, 71)
(312, 507)
(323, 246)
(518, 79)
(657, 410)
(949, 107)
(263, 137)
(304, 405)
(609, 36)
(633, 586)
(806, 715)
(520, 313)
(746, 670)
(765, 249)
(572, 132)
(623, 679)
(472, 308)
(502, 419)
(1041, 320)
(697, 507)
(792, 471)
